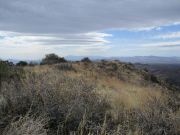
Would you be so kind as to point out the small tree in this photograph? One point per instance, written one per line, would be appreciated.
(52, 59)
(22, 63)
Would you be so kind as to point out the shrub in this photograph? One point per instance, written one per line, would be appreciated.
(6, 70)
(154, 79)
(114, 67)
(151, 77)
(63, 99)
(22, 63)
(86, 59)
(52, 59)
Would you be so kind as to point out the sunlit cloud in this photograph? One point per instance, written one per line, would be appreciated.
(162, 44)
(27, 44)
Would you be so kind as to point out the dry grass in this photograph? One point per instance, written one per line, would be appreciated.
(85, 100)
(27, 126)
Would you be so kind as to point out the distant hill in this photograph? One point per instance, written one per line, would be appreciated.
(151, 60)
(135, 59)
(15, 61)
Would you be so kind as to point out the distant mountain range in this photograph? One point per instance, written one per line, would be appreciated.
(17, 60)
(135, 59)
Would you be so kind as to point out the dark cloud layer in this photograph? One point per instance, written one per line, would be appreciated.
(82, 16)
(32, 28)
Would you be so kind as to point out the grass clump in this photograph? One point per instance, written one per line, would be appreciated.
(27, 126)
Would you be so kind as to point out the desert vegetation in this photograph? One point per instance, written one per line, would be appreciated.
(86, 59)
(81, 98)
(52, 59)
(22, 63)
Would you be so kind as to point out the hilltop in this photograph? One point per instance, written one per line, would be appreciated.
(102, 97)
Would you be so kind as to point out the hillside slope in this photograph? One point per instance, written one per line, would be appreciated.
(170, 73)
(87, 98)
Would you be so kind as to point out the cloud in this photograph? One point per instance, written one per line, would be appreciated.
(171, 44)
(168, 35)
(82, 16)
(32, 46)
(86, 39)
(75, 26)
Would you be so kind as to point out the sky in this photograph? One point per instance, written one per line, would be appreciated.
(29, 29)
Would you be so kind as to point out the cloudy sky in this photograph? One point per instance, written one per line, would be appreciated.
(29, 29)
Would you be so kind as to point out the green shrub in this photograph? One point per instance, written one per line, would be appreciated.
(52, 59)
(22, 63)
(86, 59)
